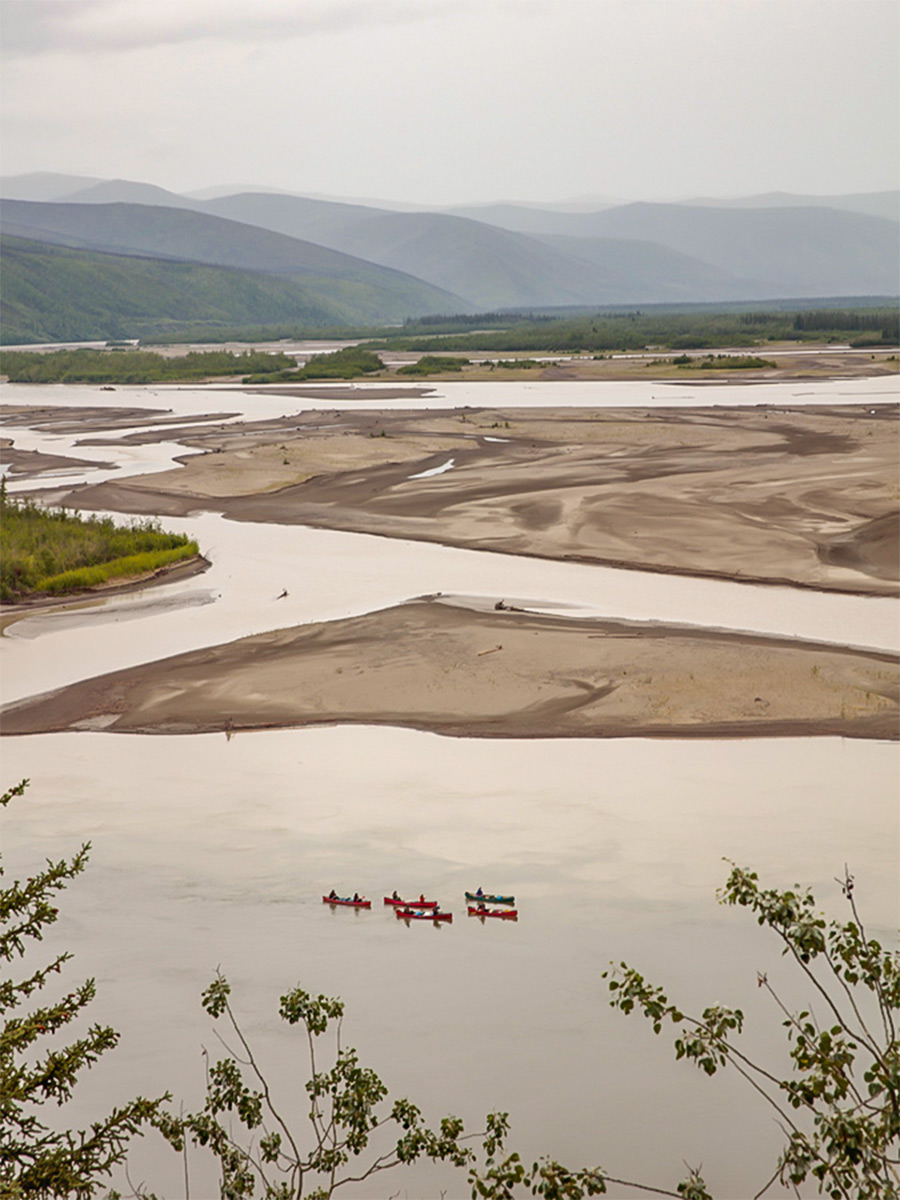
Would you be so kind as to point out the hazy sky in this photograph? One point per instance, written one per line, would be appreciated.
(445, 101)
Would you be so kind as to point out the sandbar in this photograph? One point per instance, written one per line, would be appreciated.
(804, 496)
(460, 668)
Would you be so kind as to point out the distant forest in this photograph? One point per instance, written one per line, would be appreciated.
(602, 333)
(640, 329)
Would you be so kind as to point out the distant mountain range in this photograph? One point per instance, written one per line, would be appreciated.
(357, 263)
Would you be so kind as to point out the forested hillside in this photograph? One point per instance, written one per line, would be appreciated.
(363, 290)
(54, 294)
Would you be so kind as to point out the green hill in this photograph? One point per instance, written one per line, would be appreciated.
(52, 293)
(364, 291)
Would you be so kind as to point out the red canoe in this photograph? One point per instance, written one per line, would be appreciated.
(411, 903)
(418, 914)
(508, 913)
(347, 901)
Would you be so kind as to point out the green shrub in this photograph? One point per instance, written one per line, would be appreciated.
(347, 363)
(38, 547)
(133, 366)
(119, 568)
(733, 362)
(433, 364)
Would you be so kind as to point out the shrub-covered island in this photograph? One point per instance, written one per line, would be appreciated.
(134, 366)
(46, 552)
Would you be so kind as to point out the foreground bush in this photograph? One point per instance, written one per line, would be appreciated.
(38, 1159)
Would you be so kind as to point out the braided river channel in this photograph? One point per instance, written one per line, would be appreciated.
(215, 851)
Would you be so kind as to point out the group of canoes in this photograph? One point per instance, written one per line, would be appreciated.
(430, 910)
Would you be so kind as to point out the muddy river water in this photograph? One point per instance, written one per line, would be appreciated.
(215, 851)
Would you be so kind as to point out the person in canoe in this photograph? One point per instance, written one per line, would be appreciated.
(395, 895)
(421, 897)
(356, 897)
(479, 892)
(332, 895)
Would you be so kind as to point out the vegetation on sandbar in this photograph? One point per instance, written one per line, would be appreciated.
(348, 363)
(433, 364)
(133, 366)
(44, 552)
(716, 362)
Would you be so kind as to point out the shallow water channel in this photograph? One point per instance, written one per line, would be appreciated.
(212, 850)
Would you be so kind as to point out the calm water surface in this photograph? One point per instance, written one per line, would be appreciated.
(209, 851)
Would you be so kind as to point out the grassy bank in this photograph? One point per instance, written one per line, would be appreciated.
(55, 552)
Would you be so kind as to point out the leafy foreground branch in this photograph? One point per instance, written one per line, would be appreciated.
(36, 1160)
(345, 1105)
(840, 1108)
(256, 1147)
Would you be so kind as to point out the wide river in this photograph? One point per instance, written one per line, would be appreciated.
(213, 851)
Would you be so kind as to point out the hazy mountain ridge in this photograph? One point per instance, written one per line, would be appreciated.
(43, 185)
(803, 251)
(471, 263)
(364, 264)
(635, 270)
(555, 218)
(324, 222)
(125, 191)
(695, 253)
(489, 266)
(872, 204)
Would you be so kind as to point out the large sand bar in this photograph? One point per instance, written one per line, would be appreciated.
(806, 496)
(457, 667)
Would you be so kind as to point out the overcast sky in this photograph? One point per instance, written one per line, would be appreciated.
(446, 101)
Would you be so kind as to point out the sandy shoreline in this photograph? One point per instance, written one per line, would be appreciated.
(457, 668)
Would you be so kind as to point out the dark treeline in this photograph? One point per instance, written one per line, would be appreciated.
(348, 363)
(886, 321)
(433, 364)
(461, 322)
(133, 366)
(214, 335)
(674, 330)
